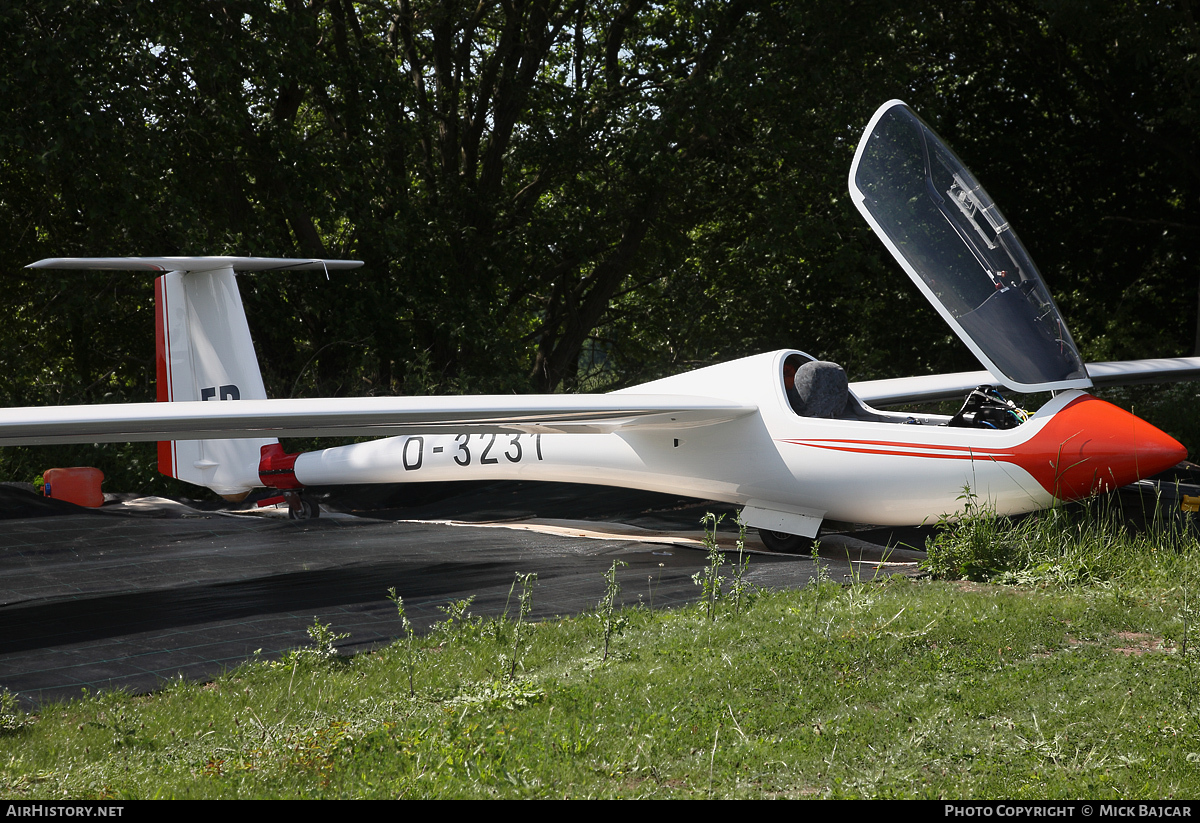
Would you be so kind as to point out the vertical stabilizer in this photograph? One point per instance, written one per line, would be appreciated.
(204, 352)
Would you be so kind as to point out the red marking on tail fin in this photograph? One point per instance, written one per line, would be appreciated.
(166, 448)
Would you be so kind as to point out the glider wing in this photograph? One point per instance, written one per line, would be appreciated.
(362, 416)
(934, 387)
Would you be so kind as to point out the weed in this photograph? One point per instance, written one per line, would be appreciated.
(652, 583)
(457, 613)
(975, 546)
(324, 640)
(611, 590)
(822, 577)
(115, 715)
(503, 695)
(740, 588)
(1077, 544)
(526, 605)
(11, 716)
(408, 637)
(710, 580)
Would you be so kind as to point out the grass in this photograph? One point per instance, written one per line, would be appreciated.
(1078, 681)
(1077, 544)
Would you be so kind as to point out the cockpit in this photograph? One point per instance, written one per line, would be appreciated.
(820, 388)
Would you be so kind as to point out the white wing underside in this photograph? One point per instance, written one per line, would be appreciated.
(361, 416)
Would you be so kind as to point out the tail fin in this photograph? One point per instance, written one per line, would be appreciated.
(204, 352)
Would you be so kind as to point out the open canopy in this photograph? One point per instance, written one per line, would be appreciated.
(958, 248)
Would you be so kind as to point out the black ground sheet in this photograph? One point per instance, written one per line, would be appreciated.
(146, 589)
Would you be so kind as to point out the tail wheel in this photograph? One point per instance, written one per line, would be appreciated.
(784, 543)
(301, 508)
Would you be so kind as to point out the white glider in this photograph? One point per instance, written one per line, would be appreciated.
(781, 434)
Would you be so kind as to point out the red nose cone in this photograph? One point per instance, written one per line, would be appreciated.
(1091, 446)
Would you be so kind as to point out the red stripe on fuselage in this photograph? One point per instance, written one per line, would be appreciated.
(841, 446)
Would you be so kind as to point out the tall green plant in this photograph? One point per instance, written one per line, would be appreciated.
(612, 589)
(740, 588)
(457, 613)
(710, 579)
(525, 605)
(410, 661)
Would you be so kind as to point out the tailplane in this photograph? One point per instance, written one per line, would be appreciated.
(204, 352)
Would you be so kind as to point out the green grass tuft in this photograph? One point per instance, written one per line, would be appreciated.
(1080, 544)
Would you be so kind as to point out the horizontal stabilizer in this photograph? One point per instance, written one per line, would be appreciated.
(164, 264)
(360, 416)
(934, 387)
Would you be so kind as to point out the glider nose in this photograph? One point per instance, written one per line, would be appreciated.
(1091, 446)
(1153, 450)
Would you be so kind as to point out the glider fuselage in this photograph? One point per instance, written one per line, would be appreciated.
(792, 472)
